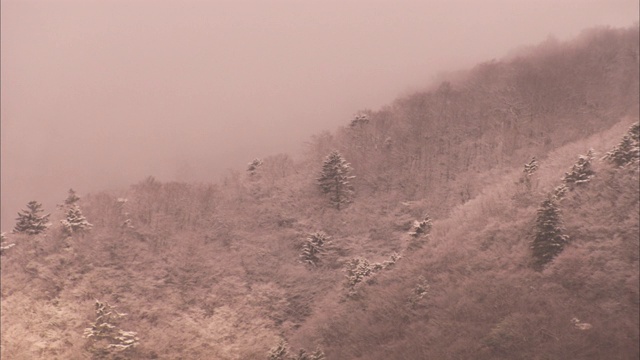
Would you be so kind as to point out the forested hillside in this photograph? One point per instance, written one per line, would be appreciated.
(493, 215)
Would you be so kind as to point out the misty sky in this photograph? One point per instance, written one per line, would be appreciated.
(100, 94)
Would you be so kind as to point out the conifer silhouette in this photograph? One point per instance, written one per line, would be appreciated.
(628, 150)
(549, 240)
(334, 179)
(29, 222)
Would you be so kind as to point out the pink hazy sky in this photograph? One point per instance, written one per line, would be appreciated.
(100, 94)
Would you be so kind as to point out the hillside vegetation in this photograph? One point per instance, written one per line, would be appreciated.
(421, 250)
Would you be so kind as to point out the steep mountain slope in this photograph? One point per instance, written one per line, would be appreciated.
(215, 270)
(482, 299)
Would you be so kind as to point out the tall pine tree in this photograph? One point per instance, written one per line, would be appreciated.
(30, 222)
(549, 240)
(628, 150)
(334, 179)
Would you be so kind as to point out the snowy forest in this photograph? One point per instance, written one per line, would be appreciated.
(492, 215)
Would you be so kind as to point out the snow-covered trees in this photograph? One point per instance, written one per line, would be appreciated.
(108, 338)
(313, 247)
(549, 238)
(419, 292)
(559, 192)
(3, 243)
(628, 150)
(334, 179)
(252, 167)
(581, 172)
(75, 222)
(30, 222)
(359, 268)
(421, 228)
(529, 169)
(359, 120)
(304, 355)
(420, 232)
(281, 352)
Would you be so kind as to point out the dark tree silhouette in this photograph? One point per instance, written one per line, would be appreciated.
(549, 240)
(334, 179)
(29, 222)
(628, 150)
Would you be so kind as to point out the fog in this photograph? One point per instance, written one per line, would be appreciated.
(100, 94)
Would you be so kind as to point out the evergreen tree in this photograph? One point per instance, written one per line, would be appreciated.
(359, 268)
(419, 292)
(581, 172)
(313, 247)
(529, 169)
(559, 192)
(628, 150)
(421, 228)
(29, 222)
(72, 198)
(334, 179)
(634, 133)
(108, 339)
(75, 221)
(549, 239)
